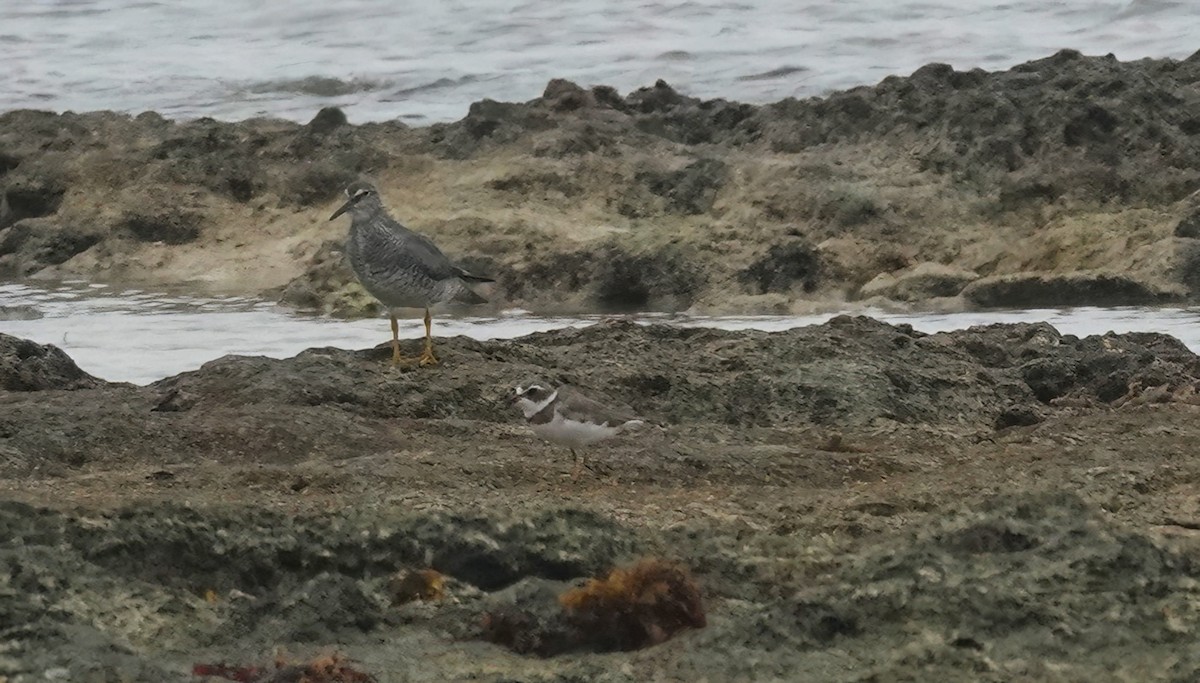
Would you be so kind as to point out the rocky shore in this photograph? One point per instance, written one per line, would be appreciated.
(853, 501)
(1062, 181)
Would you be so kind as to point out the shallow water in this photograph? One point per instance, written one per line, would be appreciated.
(381, 59)
(134, 336)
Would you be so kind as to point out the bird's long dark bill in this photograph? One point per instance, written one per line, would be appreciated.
(344, 209)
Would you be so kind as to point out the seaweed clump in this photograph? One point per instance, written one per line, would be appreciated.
(637, 607)
(629, 609)
(424, 584)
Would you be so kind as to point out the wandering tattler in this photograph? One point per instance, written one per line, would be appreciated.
(401, 268)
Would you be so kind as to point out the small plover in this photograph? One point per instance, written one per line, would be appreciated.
(401, 268)
(566, 417)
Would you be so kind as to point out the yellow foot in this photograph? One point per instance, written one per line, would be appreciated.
(428, 358)
(397, 359)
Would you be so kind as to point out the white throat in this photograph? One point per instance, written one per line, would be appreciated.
(531, 408)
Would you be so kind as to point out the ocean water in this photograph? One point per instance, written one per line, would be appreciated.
(136, 336)
(424, 62)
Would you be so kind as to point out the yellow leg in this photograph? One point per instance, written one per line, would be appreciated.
(427, 357)
(397, 359)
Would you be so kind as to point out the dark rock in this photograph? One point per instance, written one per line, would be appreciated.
(1026, 537)
(30, 197)
(327, 120)
(563, 95)
(1018, 416)
(1016, 193)
(559, 546)
(1097, 367)
(690, 190)
(531, 183)
(318, 182)
(1187, 266)
(609, 97)
(823, 624)
(563, 271)
(528, 620)
(1189, 225)
(8, 162)
(612, 278)
(169, 226)
(1094, 125)
(783, 267)
(664, 279)
(661, 97)
(916, 283)
(316, 611)
(1035, 290)
(35, 243)
(217, 156)
(29, 366)
(489, 122)
(1052, 117)
(575, 139)
(693, 122)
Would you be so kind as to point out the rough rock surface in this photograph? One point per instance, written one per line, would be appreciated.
(851, 373)
(856, 501)
(29, 366)
(1064, 164)
(918, 283)
(1034, 290)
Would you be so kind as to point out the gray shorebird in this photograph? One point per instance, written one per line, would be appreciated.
(401, 268)
(566, 417)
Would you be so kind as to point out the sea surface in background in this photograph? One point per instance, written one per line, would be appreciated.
(425, 62)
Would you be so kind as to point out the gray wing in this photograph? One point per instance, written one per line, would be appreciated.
(415, 252)
(575, 406)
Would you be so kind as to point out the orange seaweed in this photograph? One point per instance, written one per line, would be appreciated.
(635, 607)
(425, 584)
